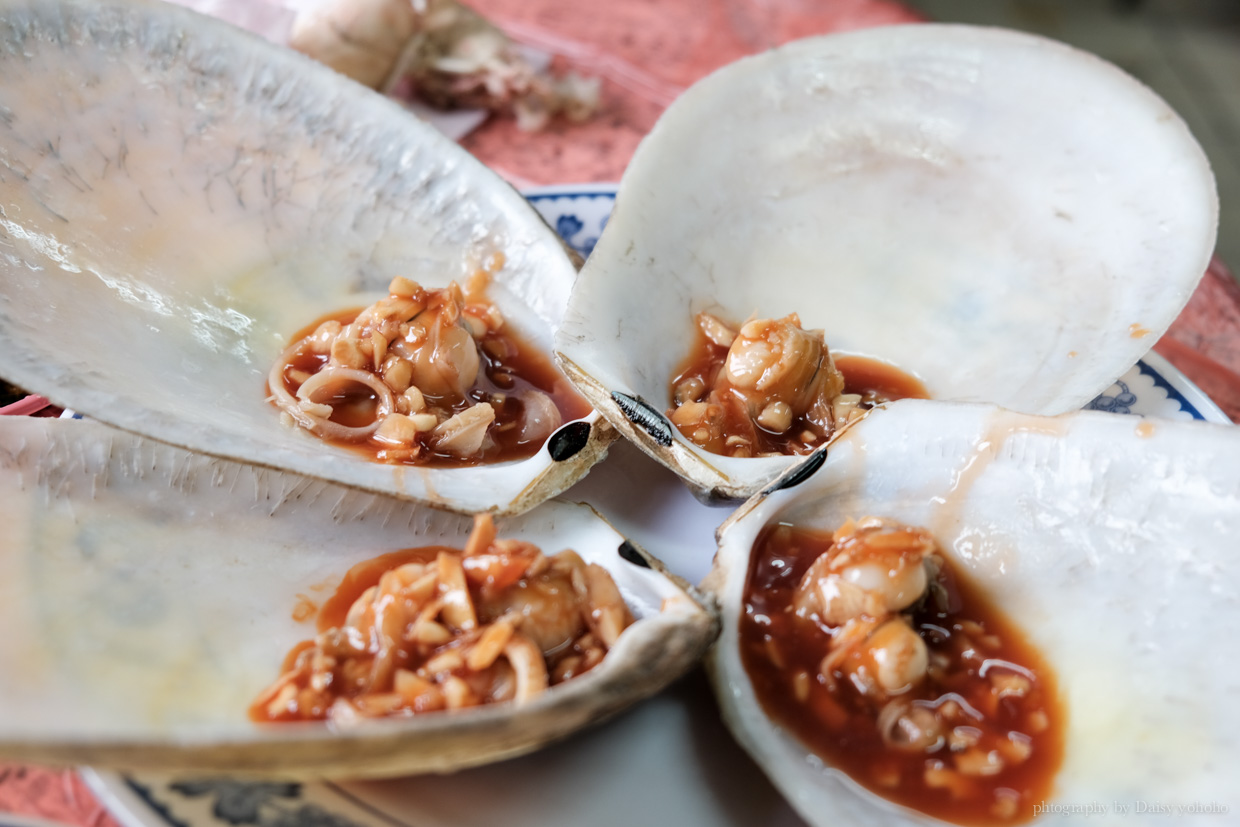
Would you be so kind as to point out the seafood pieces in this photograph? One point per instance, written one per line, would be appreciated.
(424, 377)
(772, 388)
(435, 628)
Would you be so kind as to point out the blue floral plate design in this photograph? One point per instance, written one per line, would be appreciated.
(668, 761)
(578, 212)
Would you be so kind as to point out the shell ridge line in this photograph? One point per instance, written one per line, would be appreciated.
(217, 476)
(388, 512)
(11, 458)
(284, 494)
(278, 487)
(100, 479)
(181, 475)
(363, 507)
(1025, 449)
(41, 464)
(299, 490)
(279, 498)
(61, 484)
(337, 509)
(59, 463)
(294, 485)
(255, 485)
(316, 490)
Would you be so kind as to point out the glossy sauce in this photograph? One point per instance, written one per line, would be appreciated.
(509, 365)
(983, 653)
(502, 583)
(336, 608)
(366, 574)
(874, 381)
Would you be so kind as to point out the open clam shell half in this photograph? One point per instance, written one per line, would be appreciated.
(155, 592)
(1109, 542)
(1006, 218)
(178, 198)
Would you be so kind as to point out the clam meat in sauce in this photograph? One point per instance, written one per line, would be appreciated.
(979, 616)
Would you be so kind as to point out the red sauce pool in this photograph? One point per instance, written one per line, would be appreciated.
(877, 381)
(981, 647)
(509, 365)
(366, 574)
(503, 584)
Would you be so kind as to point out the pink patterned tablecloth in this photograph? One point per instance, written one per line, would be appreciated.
(646, 52)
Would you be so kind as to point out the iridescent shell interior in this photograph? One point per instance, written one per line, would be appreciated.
(178, 197)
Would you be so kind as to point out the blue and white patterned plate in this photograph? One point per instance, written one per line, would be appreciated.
(669, 761)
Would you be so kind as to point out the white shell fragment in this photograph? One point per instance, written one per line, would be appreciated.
(1004, 217)
(178, 198)
(1109, 541)
(155, 593)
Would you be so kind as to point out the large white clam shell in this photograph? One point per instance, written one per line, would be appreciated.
(148, 595)
(1008, 219)
(1109, 541)
(178, 197)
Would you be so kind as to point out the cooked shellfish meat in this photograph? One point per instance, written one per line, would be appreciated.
(772, 388)
(444, 53)
(436, 629)
(869, 647)
(426, 377)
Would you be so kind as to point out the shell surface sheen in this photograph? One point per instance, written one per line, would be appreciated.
(178, 198)
(1110, 543)
(157, 588)
(1006, 218)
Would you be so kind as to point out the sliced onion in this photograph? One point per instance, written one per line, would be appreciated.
(528, 664)
(334, 377)
(285, 400)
